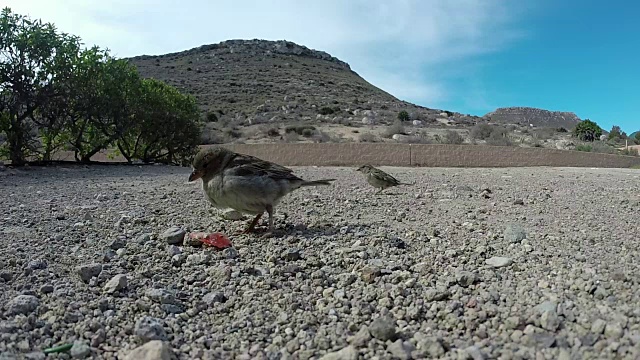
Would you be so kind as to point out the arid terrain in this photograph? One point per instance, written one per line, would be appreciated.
(526, 263)
(258, 91)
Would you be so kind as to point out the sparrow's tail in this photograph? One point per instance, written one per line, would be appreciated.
(317, 182)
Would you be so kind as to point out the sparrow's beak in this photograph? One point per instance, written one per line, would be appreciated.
(195, 175)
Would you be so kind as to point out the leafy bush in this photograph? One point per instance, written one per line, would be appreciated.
(587, 130)
(403, 116)
(273, 132)
(166, 129)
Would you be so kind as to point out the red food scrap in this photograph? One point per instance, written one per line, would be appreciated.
(217, 240)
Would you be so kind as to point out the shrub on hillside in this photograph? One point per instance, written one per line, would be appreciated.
(630, 152)
(616, 134)
(403, 116)
(212, 117)
(326, 110)
(450, 137)
(367, 137)
(499, 137)
(604, 148)
(587, 130)
(481, 131)
(584, 147)
(543, 133)
(300, 129)
(395, 128)
(597, 147)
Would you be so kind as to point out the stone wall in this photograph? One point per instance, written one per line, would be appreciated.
(352, 154)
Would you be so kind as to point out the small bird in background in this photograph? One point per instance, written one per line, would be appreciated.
(378, 178)
(245, 183)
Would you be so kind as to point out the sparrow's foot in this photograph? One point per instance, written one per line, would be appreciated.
(252, 225)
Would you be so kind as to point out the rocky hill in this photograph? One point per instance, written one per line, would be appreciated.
(259, 81)
(264, 91)
(537, 117)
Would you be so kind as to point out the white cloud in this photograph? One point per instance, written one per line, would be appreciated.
(405, 47)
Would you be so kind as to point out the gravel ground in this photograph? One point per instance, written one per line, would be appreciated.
(465, 264)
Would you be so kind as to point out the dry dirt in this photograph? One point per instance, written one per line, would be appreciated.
(526, 263)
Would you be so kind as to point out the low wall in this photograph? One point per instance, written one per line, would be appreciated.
(429, 155)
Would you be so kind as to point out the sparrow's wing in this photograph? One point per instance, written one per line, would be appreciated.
(384, 176)
(250, 166)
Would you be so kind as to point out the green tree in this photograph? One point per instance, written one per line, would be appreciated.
(587, 130)
(34, 58)
(106, 96)
(167, 126)
(403, 116)
(616, 134)
(53, 95)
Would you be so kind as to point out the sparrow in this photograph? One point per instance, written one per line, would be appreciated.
(245, 183)
(378, 178)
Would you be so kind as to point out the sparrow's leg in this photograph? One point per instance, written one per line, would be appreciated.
(270, 212)
(253, 224)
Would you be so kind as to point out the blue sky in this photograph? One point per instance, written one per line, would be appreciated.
(470, 56)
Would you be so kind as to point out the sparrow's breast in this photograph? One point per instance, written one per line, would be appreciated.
(212, 189)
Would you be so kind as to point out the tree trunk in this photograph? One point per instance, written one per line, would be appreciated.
(124, 153)
(15, 150)
(87, 157)
(16, 143)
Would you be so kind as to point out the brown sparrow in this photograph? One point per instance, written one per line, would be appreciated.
(245, 183)
(378, 178)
